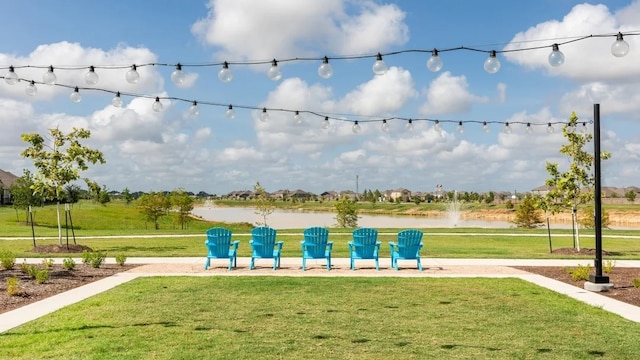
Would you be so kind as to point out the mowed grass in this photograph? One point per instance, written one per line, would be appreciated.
(325, 318)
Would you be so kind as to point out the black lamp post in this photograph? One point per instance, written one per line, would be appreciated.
(598, 278)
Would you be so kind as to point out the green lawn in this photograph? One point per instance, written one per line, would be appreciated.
(302, 318)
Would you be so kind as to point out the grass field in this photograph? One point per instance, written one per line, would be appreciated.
(302, 318)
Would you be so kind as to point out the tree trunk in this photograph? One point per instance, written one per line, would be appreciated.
(575, 229)
(59, 224)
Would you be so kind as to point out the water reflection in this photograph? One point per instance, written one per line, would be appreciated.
(284, 219)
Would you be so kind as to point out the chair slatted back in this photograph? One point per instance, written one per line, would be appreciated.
(365, 240)
(218, 242)
(409, 243)
(318, 238)
(263, 241)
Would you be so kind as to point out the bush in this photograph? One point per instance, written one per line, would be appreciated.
(47, 263)
(86, 257)
(32, 270)
(13, 286)
(636, 282)
(608, 266)
(121, 259)
(97, 259)
(7, 259)
(42, 276)
(24, 267)
(68, 263)
(580, 273)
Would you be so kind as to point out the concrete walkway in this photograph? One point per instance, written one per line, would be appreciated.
(193, 266)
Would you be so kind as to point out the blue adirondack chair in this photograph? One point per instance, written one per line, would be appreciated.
(407, 248)
(220, 246)
(264, 246)
(316, 245)
(365, 245)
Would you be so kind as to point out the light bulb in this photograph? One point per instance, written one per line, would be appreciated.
(570, 129)
(49, 77)
(193, 109)
(225, 74)
(437, 127)
(117, 100)
(356, 128)
(485, 127)
(556, 58)
(264, 115)
(177, 76)
(31, 88)
(507, 128)
(460, 128)
(325, 123)
(492, 64)
(619, 48)
(325, 70)
(274, 72)
(410, 125)
(379, 67)
(435, 62)
(297, 118)
(528, 129)
(91, 77)
(11, 77)
(157, 105)
(230, 113)
(584, 128)
(385, 126)
(132, 75)
(75, 95)
(550, 129)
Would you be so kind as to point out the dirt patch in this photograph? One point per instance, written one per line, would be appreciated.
(573, 251)
(60, 249)
(60, 280)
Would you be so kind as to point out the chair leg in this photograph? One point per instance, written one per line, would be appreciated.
(251, 264)
(206, 264)
(377, 265)
(304, 264)
(329, 263)
(351, 265)
(230, 263)
(419, 264)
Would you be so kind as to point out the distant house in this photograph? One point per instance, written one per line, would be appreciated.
(329, 195)
(281, 194)
(301, 195)
(240, 195)
(541, 190)
(6, 180)
(402, 194)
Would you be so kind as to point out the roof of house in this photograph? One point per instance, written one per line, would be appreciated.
(7, 179)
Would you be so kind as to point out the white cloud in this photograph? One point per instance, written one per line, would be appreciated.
(383, 94)
(298, 27)
(449, 94)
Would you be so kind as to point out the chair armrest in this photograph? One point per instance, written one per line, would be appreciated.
(235, 244)
(351, 246)
(279, 244)
(330, 245)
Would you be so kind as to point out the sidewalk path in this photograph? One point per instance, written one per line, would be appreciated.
(193, 266)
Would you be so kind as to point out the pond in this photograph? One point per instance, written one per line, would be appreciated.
(286, 219)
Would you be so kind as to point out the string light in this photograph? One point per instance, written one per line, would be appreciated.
(264, 115)
(385, 125)
(274, 72)
(225, 74)
(437, 127)
(485, 127)
(356, 128)
(460, 127)
(584, 128)
(157, 105)
(410, 125)
(620, 47)
(325, 123)
(117, 100)
(193, 109)
(49, 77)
(11, 77)
(230, 113)
(91, 77)
(507, 128)
(177, 76)
(434, 64)
(556, 58)
(325, 70)
(75, 95)
(528, 129)
(132, 76)
(379, 67)
(550, 129)
(297, 118)
(570, 128)
(492, 64)
(31, 88)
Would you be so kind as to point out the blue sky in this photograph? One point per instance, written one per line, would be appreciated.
(147, 150)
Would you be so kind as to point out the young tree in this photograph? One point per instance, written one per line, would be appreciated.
(127, 196)
(347, 213)
(527, 213)
(58, 161)
(588, 219)
(264, 203)
(567, 186)
(182, 205)
(630, 195)
(72, 193)
(154, 206)
(23, 196)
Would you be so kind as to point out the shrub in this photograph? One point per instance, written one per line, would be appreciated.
(24, 267)
(86, 257)
(97, 259)
(607, 266)
(7, 259)
(47, 263)
(42, 276)
(636, 282)
(68, 263)
(121, 259)
(13, 286)
(580, 273)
